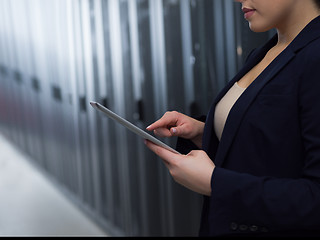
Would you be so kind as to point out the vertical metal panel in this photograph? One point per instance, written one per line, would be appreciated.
(108, 185)
(219, 29)
(62, 86)
(77, 89)
(39, 26)
(43, 66)
(22, 71)
(153, 201)
(4, 88)
(175, 86)
(158, 56)
(14, 75)
(138, 185)
(57, 126)
(68, 81)
(10, 58)
(65, 75)
(105, 204)
(203, 50)
(4, 99)
(158, 51)
(119, 107)
(173, 53)
(91, 88)
(135, 49)
(86, 164)
(230, 37)
(187, 57)
(32, 89)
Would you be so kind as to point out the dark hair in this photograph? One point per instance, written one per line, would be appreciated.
(317, 2)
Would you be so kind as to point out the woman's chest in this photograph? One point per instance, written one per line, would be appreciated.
(254, 73)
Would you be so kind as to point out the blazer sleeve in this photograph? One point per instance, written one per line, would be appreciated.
(184, 146)
(276, 204)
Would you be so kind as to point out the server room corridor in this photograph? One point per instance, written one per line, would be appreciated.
(31, 206)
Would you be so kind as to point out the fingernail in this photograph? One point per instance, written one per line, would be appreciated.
(148, 127)
(174, 130)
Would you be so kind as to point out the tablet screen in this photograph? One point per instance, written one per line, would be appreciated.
(130, 126)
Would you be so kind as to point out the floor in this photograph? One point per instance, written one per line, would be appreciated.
(31, 206)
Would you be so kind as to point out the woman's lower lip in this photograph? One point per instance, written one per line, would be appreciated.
(247, 15)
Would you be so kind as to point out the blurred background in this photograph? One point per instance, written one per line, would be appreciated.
(140, 58)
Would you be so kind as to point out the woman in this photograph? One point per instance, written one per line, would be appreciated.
(259, 167)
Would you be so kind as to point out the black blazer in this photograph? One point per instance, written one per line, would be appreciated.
(267, 175)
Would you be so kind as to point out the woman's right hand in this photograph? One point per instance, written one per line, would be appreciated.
(180, 125)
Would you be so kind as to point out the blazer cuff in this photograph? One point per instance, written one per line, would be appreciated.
(185, 146)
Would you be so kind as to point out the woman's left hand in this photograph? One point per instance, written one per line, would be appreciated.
(193, 171)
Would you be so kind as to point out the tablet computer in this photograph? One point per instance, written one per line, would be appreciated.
(130, 126)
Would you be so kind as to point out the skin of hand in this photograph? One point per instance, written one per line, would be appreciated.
(180, 125)
(193, 171)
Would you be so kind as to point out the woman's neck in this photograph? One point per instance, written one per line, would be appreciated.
(295, 23)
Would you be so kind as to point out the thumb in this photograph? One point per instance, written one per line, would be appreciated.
(178, 131)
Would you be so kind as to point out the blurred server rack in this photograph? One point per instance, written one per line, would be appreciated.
(140, 58)
(4, 75)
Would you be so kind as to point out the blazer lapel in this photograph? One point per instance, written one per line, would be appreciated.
(239, 109)
(210, 141)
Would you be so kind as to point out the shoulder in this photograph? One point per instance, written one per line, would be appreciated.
(309, 56)
(307, 66)
(312, 48)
